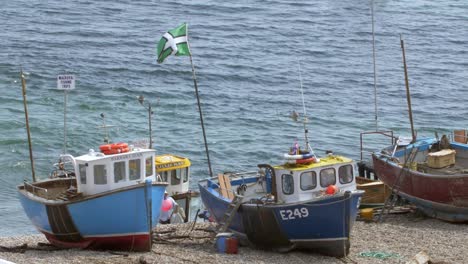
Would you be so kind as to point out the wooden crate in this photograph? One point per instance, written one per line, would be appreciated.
(376, 192)
(441, 159)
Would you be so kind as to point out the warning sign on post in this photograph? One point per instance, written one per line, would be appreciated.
(66, 82)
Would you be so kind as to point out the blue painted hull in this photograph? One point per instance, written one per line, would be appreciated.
(440, 211)
(120, 219)
(321, 225)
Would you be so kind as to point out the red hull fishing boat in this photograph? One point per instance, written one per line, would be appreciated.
(431, 176)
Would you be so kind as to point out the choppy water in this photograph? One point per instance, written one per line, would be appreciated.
(246, 57)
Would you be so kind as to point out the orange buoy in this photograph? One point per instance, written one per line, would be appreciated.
(331, 189)
(305, 161)
(114, 148)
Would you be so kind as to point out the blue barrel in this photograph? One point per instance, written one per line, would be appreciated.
(227, 243)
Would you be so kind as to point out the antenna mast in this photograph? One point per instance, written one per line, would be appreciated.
(306, 131)
(106, 132)
(375, 71)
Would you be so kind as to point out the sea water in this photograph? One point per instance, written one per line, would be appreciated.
(250, 59)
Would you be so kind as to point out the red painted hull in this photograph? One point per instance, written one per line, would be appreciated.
(120, 243)
(441, 196)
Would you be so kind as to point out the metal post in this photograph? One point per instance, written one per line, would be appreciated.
(65, 122)
(150, 112)
(141, 99)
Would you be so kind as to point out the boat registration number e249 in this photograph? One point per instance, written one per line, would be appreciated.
(294, 214)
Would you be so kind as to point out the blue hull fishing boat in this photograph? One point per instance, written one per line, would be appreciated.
(305, 203)
(109, 199)
(103, 202)
(305, 206)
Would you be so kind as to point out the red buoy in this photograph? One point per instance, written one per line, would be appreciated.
(166, 205)
(332, 189)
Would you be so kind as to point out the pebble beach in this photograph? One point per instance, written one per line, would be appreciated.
(397, 239)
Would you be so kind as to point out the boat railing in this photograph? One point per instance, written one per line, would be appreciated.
(36, 190)
(66, 159)
(240, 174)
(386, 133)
(236, 174)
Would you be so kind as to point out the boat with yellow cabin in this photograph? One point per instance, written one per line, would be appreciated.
(175, 170)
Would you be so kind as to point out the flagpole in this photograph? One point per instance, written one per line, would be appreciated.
(200, 112)
(181, 34)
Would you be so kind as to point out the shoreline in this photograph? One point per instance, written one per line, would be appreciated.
(399, 236)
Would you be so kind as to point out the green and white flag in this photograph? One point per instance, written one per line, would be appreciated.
(175, 41)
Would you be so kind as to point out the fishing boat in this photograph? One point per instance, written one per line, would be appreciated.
(106, 199)
(308, 206)
(431, 173)
(307, 202)
(175, 170)
(97, 200)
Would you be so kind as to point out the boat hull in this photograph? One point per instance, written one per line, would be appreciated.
(440, 196)
(119, 220)
(322, 226)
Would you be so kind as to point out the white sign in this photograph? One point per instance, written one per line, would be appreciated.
(66, 82)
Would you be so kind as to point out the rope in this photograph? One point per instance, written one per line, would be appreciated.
(379, 255)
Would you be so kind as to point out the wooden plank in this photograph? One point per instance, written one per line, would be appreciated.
(222, 185)
(227, 182)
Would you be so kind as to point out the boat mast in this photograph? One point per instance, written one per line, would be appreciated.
(408, 95)
(23, 84)
(375, 71)
(306, 131)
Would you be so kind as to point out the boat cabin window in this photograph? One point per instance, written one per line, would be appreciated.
(149, 166)
(287, 181)
(164, 175)
(345, 173)
(327, 177)
(82, 168)
(185, 174)
(134, 169)
(119, 171)
(308, 180)
(175, 177)
(100, 174)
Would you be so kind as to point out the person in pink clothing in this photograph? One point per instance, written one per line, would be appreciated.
(168, 208)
